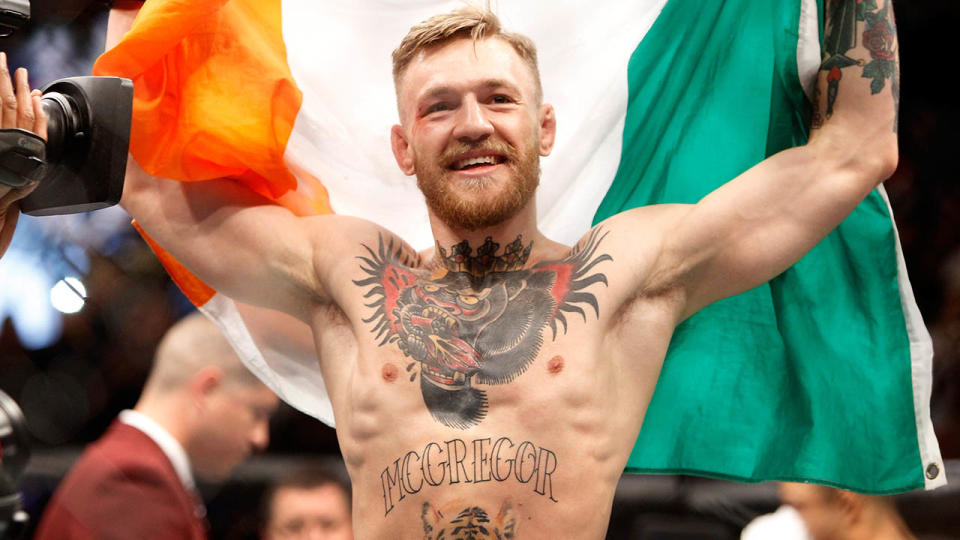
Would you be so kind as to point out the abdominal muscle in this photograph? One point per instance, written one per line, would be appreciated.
(543, 463)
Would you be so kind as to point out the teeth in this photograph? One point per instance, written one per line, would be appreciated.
(483, 160)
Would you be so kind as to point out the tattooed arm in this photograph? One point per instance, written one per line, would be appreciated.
(757, 225)
(243, 244)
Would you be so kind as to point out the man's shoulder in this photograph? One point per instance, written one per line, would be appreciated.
(127, 443)
(123, 454)
(342, 244)
(632, 238)
(112, 480)
(652, 218)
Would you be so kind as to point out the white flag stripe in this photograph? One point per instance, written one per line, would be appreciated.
(339, 55)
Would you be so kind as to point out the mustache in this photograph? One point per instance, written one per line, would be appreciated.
(458, 148)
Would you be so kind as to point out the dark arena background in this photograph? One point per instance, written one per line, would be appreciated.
(72, 364)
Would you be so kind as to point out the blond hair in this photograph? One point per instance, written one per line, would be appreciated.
(467, 22)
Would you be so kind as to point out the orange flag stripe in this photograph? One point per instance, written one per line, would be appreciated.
(213, 94)
(213, 98)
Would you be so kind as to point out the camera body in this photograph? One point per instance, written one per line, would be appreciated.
(13, 15)
(82, 164)
(88, 126)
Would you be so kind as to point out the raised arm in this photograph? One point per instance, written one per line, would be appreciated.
(757, 225)
(233, 239)
(240, 243)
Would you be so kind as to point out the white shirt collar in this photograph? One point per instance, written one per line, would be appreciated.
(170, 446)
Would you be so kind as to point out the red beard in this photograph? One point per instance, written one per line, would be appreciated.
(453, 204)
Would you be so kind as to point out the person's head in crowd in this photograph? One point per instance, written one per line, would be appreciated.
(310, 502)
(837, 514)
(200, 391)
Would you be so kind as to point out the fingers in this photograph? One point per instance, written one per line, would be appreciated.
(25, 116)
(8, 100)
(40, 122)
(19, 107)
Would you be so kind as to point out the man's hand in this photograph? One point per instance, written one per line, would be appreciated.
(19, 108)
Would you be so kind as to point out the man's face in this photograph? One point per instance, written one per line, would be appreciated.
(236, 422)
(315, 513)
(822, 514)
(473, 131)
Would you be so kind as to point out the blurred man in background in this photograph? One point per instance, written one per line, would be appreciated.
(816, 512)
(201, 412)
(308, 503)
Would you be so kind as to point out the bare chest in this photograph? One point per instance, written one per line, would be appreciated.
(486, 393)
(456, 332)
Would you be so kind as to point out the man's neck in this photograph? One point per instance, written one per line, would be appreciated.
(511, 245)
(166, 413)
(490, 256)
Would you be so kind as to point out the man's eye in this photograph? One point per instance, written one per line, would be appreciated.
(293, 527)
(501, 99)
(437, 107)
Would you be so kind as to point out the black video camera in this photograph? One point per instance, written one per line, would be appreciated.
(82, 164)
(13, 15)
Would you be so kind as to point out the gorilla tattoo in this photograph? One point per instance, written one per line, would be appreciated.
(479, 319)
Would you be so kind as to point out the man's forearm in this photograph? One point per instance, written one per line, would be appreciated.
(858, 87)
(121, 19)
(754, 227)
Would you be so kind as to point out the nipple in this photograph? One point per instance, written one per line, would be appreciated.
(389, 372)
(555, 365)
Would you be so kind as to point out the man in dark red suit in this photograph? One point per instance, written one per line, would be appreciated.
(201, 413)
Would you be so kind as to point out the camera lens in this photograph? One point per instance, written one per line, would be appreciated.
(63, 121)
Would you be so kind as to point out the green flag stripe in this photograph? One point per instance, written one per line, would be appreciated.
(809, 376)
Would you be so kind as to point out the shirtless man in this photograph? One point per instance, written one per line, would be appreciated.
(499, 380)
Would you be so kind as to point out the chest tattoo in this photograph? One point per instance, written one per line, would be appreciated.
(477, 320)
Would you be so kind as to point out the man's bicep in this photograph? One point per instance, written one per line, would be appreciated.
(236, 241)
(756, 226)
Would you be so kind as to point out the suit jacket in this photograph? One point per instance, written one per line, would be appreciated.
(123, 487)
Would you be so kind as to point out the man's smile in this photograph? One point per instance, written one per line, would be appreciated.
(477, 161)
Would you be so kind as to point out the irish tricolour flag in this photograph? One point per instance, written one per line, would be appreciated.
(823, 374)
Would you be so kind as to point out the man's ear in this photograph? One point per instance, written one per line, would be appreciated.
(401, 150)
(203, 384)
(548, 129)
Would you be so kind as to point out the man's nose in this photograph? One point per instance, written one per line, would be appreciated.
(318, 533)
(472, 121)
